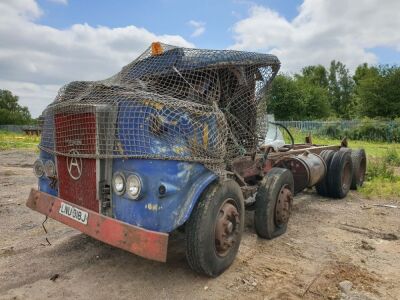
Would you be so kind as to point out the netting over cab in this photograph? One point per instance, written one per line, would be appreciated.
(170, 103)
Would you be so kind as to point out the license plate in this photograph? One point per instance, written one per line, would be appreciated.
(74, 213)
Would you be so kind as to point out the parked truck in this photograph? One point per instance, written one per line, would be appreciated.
(176, 140)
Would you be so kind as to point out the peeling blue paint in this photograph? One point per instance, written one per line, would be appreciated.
(151, 128)
(161, 212)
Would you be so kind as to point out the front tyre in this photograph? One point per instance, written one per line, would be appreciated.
(214, 229)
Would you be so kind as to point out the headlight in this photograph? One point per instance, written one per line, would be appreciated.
(118, 183)
(50, 168)
(38, 168)
(133, 186)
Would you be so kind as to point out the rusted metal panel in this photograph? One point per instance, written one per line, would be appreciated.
(76, 175)
(247, 166)
(310, 148)
(82, 190)
(76, 131)
(148, 244)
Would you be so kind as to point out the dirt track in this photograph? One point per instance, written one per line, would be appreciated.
(327, 242)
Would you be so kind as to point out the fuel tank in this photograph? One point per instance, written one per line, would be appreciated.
(307, 168)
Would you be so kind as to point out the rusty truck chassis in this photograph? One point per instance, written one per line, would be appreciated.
(248, 170)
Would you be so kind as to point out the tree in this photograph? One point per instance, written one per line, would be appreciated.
(364, 71)
(10, 111)
(314, 100)
(316, 93)
(313, 84)
(298, 98)
(284, 98)
(378, 91)
(341, 87)
(316, 75)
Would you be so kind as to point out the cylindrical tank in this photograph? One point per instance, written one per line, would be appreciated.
(307, 168)
(316, 166)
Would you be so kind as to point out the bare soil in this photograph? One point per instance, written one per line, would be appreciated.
(327, 242)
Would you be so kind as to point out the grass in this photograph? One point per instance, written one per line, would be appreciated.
(12, 140)
(382, 189)
(392, 157)
(373, 149)
(383, 165)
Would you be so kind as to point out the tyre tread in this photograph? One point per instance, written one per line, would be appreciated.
(356, 156)
(322, 186)
(334, 176)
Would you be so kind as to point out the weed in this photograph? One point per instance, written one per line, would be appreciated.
(380, 169)
(392, 157)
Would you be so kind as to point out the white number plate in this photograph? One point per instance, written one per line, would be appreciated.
(74, 213)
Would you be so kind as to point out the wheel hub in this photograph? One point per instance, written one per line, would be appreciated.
(283, 205)
(226, 228)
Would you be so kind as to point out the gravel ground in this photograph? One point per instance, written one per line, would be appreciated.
(333, 249)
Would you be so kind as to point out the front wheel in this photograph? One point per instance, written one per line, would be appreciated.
(214, 229)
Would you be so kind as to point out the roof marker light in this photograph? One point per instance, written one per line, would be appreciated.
(156, 49)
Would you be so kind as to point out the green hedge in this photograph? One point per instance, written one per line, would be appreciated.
(367, 130)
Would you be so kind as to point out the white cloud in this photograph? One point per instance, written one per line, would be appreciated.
(35, 60)
(28, 9)
(199, 28)
(322, 31)
(64, 2)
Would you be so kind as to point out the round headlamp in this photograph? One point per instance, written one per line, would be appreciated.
(133, 186)
(38, 168)
(50, 168)
(118, 183)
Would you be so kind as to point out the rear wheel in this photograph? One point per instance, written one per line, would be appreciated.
(340, 174)
(359, 161)
(322, 186)
(273, 203)
(214, 230)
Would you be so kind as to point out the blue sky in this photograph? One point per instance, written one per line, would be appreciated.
(387, 55)
(163, 16)
(44, 44)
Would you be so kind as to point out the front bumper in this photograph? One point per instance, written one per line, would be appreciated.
(146, 243)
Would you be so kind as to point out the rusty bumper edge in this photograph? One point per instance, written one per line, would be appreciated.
(149, 244)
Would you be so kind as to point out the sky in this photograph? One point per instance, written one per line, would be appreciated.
(45, 44)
